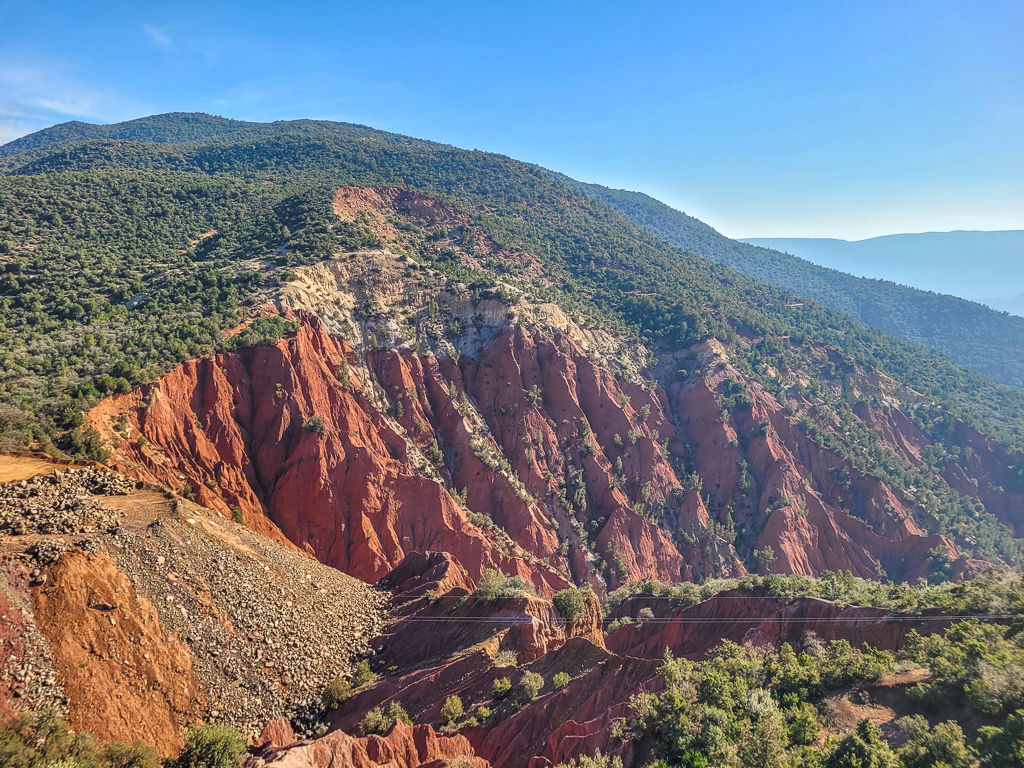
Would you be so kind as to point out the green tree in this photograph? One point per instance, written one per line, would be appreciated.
(212, 746)
(451, 710)
(1003, 747)
(862, 748)
(929, 747)
(571, 605)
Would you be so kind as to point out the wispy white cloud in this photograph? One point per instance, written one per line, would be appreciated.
(11, 130)
(37, 93)
(158, 36)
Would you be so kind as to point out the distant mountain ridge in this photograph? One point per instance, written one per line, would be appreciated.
(974, 335)
(932, 261)
(186, 127)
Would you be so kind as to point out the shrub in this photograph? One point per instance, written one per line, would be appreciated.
(452, 709)
(561, 680)
(493, 585)
(532, 683)
(927, 696)
(926, 747)
(1003, 747)
(501, 687)
(380, 721)
(506, 658)
(645, 614)
(597, 761)
(482, 713)
(336, 692)
(803, 724)
(764, 558)
(571, 605)
(136, 755)
(862, 748)
(361, 673)
(211, 746)
(41, 739)
(315, 425)
(84, 443)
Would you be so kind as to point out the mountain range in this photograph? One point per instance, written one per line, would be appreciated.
(979, 266)
(626, 490)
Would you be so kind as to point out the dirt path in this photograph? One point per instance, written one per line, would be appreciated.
(15, 468)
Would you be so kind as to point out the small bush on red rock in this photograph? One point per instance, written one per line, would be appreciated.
(211, 746)
(571, 605)
(315, 424)
(336, 693)
(451, 710)
(532, 684)
(380, 721)
(361, 673)
(501, 687)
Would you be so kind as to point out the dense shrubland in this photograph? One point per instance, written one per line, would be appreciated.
(998, 591)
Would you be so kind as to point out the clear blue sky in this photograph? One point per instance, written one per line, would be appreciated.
(823, 119)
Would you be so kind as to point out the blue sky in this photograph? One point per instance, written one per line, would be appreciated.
(818, 119)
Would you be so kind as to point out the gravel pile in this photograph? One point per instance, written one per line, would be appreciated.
(26, 667)
(61, 502)
(268, 628)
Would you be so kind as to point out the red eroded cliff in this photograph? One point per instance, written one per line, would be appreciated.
(551, 446)
(784, 488)
(287, 435)
(403, 747)
(458, 645)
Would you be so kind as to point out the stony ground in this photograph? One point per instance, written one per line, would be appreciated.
(267, 627)
(61, 502)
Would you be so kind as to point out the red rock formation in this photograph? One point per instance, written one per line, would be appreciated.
(422, 571)
(448, 645)
(576, 720)
(403, 747)
(795, 504)
(564, 421)
(17, 644)
(238, 430)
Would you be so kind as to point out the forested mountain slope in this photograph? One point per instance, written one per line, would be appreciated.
(123, 260)
(178, 127)
(451, 374)
(974, 335)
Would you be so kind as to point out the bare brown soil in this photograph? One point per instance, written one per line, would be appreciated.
(124, 677)
(16, 468)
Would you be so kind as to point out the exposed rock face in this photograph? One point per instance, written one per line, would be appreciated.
(503, 432)
(796, 503)
(28, 678)
(403, 747)
(419, 572)
(458, 645)
(290, 436)
(539, 420)
(124, 677)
